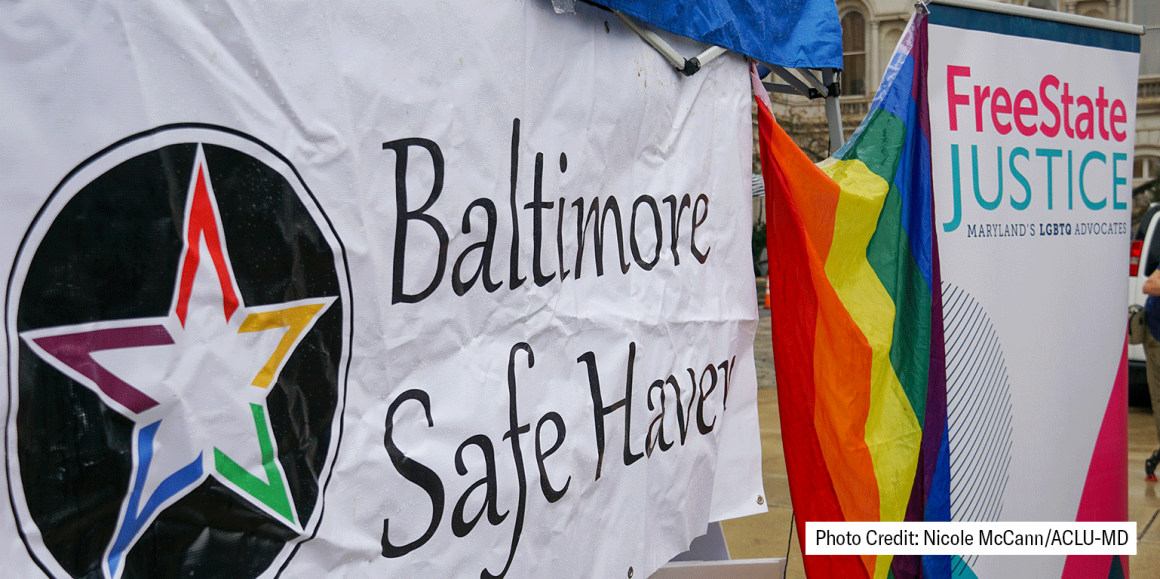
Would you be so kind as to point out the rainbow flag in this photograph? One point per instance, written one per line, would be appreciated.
(857, 321)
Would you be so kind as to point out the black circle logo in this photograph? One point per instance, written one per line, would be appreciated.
(178, 321)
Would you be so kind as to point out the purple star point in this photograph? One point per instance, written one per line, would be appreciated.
(75, 350)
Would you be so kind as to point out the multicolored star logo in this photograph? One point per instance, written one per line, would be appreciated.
(190, 381)
(194, 384)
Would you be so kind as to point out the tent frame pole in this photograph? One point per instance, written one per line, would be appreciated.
(833, 112)
(827, 87)
(686, 66)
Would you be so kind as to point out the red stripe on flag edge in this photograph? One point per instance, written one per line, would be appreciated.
(795, 305)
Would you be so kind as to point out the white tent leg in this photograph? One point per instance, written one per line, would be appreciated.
(687, 67)
(833, 114)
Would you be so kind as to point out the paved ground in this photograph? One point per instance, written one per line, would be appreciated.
(768, 535)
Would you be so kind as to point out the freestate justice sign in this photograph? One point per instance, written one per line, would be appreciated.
(1032, 130)
(368, 290)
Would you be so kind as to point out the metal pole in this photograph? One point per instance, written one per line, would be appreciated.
(686, 66)
(710, 55)
(833, 114)
(655, 41)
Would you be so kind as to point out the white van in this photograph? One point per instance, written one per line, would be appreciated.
(1143, 260)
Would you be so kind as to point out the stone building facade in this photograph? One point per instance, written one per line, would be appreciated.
(871, 29)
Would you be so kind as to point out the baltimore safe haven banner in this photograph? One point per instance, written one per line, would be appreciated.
(369, 289)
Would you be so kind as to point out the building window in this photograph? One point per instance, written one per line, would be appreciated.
(1148, 14)
(853, 54)
(1145, 168)
(1092, 8)
(1042, 4)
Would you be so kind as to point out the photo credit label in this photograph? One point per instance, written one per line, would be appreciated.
(962, 538)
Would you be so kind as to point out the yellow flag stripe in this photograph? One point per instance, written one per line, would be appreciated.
(893, 434)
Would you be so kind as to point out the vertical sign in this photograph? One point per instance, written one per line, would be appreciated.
(1032, 130)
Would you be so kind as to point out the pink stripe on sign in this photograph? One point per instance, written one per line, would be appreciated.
(1105, 493)
(75, 351)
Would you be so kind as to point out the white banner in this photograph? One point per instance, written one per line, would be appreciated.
(369, 289)
(1032, 127)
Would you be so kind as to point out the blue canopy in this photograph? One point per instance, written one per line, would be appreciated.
(791, 33)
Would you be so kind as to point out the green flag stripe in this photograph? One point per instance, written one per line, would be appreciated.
(880, 142)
